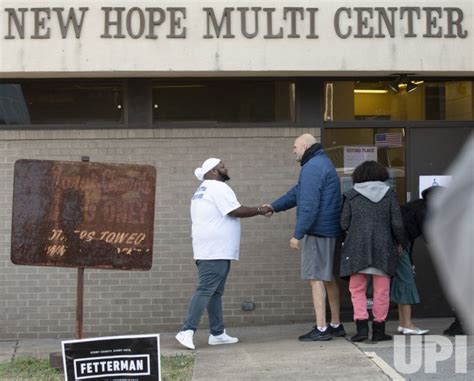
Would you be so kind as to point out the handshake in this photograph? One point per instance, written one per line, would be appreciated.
(266, 210)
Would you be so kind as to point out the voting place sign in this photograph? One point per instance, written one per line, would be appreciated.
(115, 358)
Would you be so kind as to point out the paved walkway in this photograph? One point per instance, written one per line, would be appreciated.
(273, 353)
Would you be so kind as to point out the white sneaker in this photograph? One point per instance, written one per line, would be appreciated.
(416, 331)
(185, 338)
(222, 339)
(400, 329)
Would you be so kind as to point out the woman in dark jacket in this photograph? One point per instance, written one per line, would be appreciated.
(374, 229)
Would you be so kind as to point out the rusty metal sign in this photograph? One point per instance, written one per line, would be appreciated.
(77, 214)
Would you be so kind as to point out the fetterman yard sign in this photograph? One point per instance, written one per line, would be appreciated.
(113, 358)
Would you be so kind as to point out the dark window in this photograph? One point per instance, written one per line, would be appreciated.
(65, 102)
(224, 101)
(435, 102)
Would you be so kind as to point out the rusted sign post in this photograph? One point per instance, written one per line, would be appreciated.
(83, 215)
(80, 303)
(80, 291)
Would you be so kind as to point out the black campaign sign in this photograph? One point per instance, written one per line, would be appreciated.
(91, 215)
(134, 358)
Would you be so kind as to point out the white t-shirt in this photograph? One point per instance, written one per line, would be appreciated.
(215, 234)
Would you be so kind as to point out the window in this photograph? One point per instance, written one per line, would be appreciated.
(61, 102)
(224, 101)
(347, 148)
(412, 100)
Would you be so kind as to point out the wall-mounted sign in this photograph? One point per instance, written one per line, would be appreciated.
(282, 21)
(113, 358)
(355, 155)
(75, 214)
(432, 181)
(186, 37)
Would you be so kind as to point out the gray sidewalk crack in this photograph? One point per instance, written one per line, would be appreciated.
(15, 350)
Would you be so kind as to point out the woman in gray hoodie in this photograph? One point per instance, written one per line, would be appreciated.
(374, 229)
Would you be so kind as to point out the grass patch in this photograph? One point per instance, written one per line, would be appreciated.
(27, 369)
(173, 368)
(177, 367)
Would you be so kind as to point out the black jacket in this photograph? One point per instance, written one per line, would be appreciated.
(414, 214)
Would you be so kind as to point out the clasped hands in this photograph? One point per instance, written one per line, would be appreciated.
(267, 210)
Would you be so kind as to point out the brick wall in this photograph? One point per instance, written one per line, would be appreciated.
(39, 302)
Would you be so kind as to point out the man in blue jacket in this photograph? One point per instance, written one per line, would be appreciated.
(318, 199)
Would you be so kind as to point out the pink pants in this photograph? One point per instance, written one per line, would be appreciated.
(358, 288)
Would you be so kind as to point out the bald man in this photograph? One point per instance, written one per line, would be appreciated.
(318, 199)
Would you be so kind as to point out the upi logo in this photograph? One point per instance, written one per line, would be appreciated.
(411, 352)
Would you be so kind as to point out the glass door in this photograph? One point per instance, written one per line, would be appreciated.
(347, 148)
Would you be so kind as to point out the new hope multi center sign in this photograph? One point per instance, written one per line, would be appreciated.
(172, 38)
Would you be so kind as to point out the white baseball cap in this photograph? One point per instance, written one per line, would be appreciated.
(206, 167)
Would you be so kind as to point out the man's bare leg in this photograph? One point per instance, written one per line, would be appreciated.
(319, 302)
(332, 288)
(320, 331)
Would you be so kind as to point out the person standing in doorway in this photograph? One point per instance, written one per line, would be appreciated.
(403, 290)
(215, 215)
(318, 199)
(372, 220)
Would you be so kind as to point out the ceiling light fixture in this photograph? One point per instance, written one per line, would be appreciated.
(394, 86)
(411, 86)
(402, 82)
(370, 91)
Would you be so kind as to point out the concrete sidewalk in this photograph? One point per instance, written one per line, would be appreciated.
(274, 353)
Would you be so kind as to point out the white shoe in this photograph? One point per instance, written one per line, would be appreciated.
(222, 339)
(416, 331)
(185, 338)
(400, 329)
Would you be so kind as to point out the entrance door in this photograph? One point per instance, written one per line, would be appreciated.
(349, 147)
(430, 152)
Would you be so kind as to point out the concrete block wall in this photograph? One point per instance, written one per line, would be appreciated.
(40, 302)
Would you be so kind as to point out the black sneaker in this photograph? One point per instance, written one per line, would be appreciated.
(336, 332)
(315, 335)
(454, 329)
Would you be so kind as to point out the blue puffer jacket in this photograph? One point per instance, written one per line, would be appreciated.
(317, 196)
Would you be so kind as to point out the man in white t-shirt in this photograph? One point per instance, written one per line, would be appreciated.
(215, 215)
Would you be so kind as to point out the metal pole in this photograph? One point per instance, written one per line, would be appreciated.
(80, 290)
(80, 303)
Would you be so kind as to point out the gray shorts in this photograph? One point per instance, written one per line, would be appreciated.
(317, 257)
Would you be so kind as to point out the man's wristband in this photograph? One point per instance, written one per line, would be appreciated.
(259, 210)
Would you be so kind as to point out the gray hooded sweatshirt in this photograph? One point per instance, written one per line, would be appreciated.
(373, 190)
